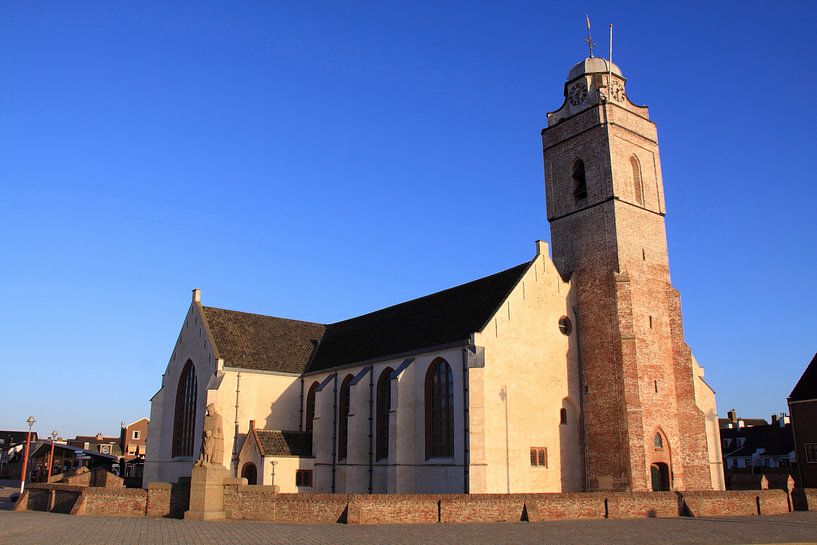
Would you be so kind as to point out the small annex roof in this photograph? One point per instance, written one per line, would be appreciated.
(806, 387)
(284, 442)
(266, 343)
(262, 343)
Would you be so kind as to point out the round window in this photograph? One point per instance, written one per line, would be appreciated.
(565, 326)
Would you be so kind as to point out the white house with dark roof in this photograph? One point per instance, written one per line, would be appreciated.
(561, 374)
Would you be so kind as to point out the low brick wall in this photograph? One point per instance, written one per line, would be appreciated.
(112, 501)
(627, 505)
(804, 499)
(393, 509)
(482, 508)
(257, 502)
(65, 498)
(579, 505)
(735, 503)
(158, 499)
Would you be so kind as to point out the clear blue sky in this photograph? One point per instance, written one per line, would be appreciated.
(320, 160)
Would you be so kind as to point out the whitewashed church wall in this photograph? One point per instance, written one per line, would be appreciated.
(406, 470)
(192, 345)
(705, 400)
(530, 374)
(272, 400)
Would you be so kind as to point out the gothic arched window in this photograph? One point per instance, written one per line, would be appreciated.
(184, 419)
(579, 182)
(439, 410)
(383, 407)
(344, 399)
(638, 184)
(310, 407)
(658, 441)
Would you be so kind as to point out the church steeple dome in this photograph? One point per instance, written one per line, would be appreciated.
(594, 81)
(592, 65)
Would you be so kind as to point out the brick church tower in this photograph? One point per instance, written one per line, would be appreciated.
(605, 204)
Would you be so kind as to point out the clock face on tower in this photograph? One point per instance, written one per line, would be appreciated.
(577, 93)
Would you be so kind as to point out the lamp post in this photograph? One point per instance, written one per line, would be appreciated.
(51, 456)
(273, 462)
(30, 421)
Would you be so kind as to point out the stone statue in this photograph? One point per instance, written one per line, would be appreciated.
(212, 443)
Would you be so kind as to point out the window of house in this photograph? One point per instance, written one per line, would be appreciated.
(439, 410)
(579, 183)
(136, 435)
(658, 441)
(184, 419)
(539, 456)
(309, 417)
(562, 416)
(303, 478)
(811, 453)
(740, 441)
(383, 408)
(638, 184)
(343, 417)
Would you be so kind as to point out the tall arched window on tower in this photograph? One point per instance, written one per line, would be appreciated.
(344, 399)
(439, 410)
(638, 184)
(383, 407)
(579, 183)
(310, 407)
(184, 419)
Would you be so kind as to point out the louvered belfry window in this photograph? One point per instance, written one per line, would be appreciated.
(184, 420)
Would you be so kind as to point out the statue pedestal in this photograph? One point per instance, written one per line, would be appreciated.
(207, 493)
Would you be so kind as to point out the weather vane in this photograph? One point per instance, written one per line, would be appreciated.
(589, 39)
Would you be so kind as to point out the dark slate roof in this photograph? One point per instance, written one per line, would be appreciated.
(264, 343)
(724, 422)
(436, 319)
(254, 341)
(806, 387)
(777, 440)
(285, 443)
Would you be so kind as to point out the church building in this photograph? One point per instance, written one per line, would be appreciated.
(568, 372)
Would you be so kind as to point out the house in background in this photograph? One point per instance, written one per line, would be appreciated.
(761, 449)
(97, 443)
(133, 443)
(133, 438)
(803, 410)
(12, 444)
(732, 420)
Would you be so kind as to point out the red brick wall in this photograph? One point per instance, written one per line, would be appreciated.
(643, 504)
(588, 505)
(262, 503)
(393, 509)
(112, 501)
(735, 503)
(482, 508)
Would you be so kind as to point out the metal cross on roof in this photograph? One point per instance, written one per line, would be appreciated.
(589, 39)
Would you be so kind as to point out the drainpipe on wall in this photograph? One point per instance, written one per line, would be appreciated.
(371, 429)
(465, 422)
(235, 433)
(301, 412)
(334, 428)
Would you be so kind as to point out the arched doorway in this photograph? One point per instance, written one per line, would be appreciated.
(659, 473)
(250, 473)
(660, 462)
